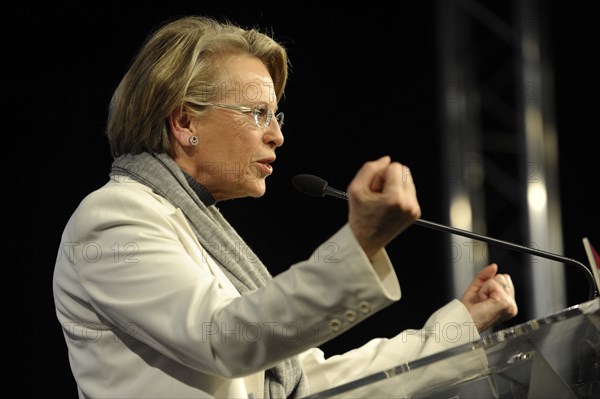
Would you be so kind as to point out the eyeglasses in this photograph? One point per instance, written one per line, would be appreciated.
(262, 114)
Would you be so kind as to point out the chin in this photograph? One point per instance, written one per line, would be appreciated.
(259, 193)
(259, 189)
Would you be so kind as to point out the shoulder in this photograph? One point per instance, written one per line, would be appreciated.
(119, 200)
(123, 192)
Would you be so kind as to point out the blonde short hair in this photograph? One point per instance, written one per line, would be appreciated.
(179, 64)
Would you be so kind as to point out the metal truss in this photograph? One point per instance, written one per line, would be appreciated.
(500, 153)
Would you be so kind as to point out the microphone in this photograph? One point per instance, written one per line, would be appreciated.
(314, 186)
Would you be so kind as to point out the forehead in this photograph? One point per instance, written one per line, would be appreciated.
(245, 79)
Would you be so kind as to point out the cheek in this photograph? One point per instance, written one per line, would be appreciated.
(248, 147)
(233, 150)
(240, 149)
(249, 153)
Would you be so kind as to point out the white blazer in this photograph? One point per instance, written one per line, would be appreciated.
(146, 312)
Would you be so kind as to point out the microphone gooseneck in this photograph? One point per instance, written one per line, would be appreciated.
(316, 187)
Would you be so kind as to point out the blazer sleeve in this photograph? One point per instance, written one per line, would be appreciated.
(310, 303)
(449, 327)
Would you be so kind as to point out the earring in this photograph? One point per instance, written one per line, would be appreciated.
(193, 140)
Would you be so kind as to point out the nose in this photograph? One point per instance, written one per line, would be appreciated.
(273, 135)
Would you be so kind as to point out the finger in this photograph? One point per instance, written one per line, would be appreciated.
(504, 285)
(508, 285)
(487, 272)
(480, 281)
(369, 171)
(503, 279)
(378, 182)
(398, 177)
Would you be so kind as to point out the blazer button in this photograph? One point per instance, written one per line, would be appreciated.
(335, 325)
(350, 315)
(364, 307)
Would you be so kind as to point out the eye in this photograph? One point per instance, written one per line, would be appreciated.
(262, 115)
(262, 111)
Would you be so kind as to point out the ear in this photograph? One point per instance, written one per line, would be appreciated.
(181, 127)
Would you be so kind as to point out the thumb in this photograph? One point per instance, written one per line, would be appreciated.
(487, 272)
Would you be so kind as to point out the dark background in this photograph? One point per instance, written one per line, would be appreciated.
(363, 83)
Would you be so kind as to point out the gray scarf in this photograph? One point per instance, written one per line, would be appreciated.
(218, 237)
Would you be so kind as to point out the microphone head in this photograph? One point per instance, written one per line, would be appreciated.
(310, 185)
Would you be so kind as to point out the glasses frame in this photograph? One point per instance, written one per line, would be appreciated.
(247, 110)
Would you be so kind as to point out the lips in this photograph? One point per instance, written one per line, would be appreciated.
(265, 166)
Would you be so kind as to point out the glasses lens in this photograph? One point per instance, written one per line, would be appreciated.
(279, 118)
(262, 116)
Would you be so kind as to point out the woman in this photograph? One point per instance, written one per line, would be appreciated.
(156, 293)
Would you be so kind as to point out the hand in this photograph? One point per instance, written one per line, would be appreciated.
(490, 298)
(382, 203)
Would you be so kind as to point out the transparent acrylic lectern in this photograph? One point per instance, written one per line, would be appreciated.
(557, 356)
